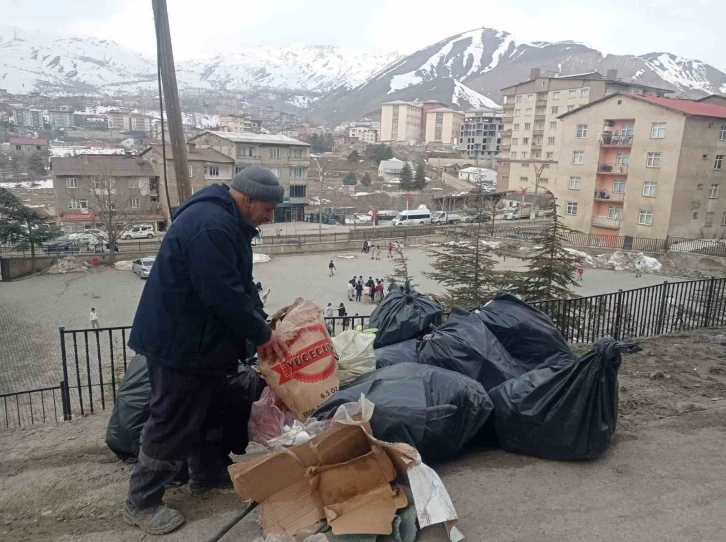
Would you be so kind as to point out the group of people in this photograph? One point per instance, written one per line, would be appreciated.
(342, 312)
(375, 250)
(359, 290)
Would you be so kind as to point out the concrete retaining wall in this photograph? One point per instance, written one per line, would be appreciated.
(311, 248)
(17, 268)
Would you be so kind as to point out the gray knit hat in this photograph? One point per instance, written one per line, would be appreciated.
(259, 184)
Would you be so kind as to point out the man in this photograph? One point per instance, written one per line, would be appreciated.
(198, 309)
(331, 269)
(94, 319)
(637, 269)
(358, 290)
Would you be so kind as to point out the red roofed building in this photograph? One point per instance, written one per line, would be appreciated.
(28, 146)
(643, 166)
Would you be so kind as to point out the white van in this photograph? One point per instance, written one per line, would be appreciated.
(411, 218)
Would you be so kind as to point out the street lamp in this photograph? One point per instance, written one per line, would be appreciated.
(321, 171)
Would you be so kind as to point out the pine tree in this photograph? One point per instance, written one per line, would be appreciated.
(366, 180)
(350, 179)
(406, 177)
(419, 180)
(466, 266)
(21, 226)
(551, 269)
(353, 156)
(36, 164)
(400, 273)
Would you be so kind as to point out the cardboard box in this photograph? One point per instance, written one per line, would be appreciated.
(343, 476)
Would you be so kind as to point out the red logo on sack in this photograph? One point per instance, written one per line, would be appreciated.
(295, 364)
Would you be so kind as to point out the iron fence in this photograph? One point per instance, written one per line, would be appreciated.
(23, 408)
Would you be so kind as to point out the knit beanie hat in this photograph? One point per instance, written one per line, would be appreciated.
(259, 184)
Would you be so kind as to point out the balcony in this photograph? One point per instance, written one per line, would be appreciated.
(608, 195)
(505, 147)
(506, 133)
(537, 132)
(612, 169)
(606, 222)
(539, 116)
(255, 159)
(610, 140)
(536, 144)
(507, 120)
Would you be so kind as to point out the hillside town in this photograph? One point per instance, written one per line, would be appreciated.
(403, 286)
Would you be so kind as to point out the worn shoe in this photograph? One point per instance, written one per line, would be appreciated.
(155, 520)
(202, 487)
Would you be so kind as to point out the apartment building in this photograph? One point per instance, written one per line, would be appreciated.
(60, 119)
(25, 117)
(118, 120)
(481, 133)
(83, 185)
(443, 127)
(206, 166)
(288, 159)
(140, 123)
(28, 146)
(401, 121)
(370, 136)
(531, 111)
(643, 166)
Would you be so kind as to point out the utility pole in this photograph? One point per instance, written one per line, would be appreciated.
(171, 100)
(537, 175)
(321, 172)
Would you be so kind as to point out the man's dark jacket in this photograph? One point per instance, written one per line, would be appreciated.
(200, 304)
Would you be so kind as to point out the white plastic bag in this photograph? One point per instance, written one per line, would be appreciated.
(355, 354)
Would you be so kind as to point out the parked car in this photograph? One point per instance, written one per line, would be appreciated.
(517, 213)
(477, 217)
(140, 231)
(416, 217)
(142, 267)
(63, 247)
(444, 217)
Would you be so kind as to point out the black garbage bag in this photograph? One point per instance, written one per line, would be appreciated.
(528, 334)
(435, 410)
(403, 314)
(403, 352)
(130, 411)
(564, 412)
(465, 345)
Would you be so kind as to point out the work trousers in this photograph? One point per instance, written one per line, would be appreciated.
(185, 423)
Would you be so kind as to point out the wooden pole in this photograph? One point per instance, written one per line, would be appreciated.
(171, 101)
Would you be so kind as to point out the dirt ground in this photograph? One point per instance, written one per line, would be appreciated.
(663, 479)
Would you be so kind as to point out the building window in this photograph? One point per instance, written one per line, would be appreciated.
(572, 94)
(211, 171)
(135, 203)
(274, 152)
(528, 112)
(723, 219)
(619, 187)
(581, 131)
(709, 220)
(298, 191)
(694, 216)
(556, 95)
(517, 112)
(553, 125)
(570, 108)
(191, 171)
(571, 208)
(584, 92)
(550, 156)
(555, 109)
(623, 158)
(575, 183)
(550, 140)
(645, 218)
(18, 148)
(649, 189)
(237, 169)
(719, 161)
(524, 179)
(300, 153)
(515, 141)
(74, 203)
(530, 97)
(722, 136)
(297, 172)
(578, 157)
(527, 125)
(275, 171)
(71, 182)
(518, 99)
(657, 130)
(654, 159)
(525, 141)
(714, 192)
(615, 212)
(515, 127)
(506, 178)
(524, 155)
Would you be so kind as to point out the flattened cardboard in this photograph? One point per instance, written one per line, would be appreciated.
(291, 510)
(373, 512)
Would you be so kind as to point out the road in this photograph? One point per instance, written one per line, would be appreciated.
(34, 308)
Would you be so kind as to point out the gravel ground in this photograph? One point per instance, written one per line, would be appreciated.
(34, 308)
(664, 478)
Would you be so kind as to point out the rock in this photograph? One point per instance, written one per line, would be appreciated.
(657, 375)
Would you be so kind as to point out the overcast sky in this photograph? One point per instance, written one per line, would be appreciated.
(688, 28)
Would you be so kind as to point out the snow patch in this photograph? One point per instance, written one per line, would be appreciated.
(123, 265)
(463, 96)
(499, 53)
(346, 256)
(627, 261)
(587, 259)
(30, 185)
(260, 258)
(68, 265)
(399, 82)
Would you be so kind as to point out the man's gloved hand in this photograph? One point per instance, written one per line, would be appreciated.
(273, 350)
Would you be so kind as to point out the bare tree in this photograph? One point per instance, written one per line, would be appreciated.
(117, 203)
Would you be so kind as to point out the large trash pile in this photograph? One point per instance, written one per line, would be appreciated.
(346, 423)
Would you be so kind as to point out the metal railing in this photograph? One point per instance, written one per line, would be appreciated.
(609, 140)
(606, 222)
(30, 407)
(612, 169)
(608, 195)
